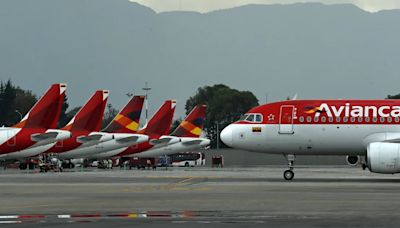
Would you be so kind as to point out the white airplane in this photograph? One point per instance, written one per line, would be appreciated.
(37, 128)
(367, 131)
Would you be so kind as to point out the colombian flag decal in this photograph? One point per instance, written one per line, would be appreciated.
(256, 129)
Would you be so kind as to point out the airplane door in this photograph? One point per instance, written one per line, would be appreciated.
(286, 119)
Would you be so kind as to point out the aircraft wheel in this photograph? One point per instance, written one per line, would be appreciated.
(288, 175)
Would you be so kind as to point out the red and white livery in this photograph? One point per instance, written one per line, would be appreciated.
(37, 128)
(364, 130)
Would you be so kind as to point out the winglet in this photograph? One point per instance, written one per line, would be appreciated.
(46, 111)
(127, 121)
(90, 116)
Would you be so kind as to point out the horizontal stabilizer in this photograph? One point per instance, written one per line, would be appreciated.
(129, 139)
(160, 141)
(192, 142)
(89, 139)
(44, 136)
(397, 140)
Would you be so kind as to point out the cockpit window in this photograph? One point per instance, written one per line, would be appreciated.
(250, 118)
(243, 117)
(258, 118)
(254, 118)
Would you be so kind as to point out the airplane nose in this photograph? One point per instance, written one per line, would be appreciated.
(226, 135)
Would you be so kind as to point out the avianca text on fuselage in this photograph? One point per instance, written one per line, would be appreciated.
(349, 110)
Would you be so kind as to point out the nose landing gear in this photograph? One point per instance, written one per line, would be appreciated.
(289, 174)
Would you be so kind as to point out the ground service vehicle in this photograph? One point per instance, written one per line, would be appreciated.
(187, 159)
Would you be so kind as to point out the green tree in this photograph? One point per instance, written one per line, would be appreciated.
(14, 102)
(7, 97)
(225, 105)
(397, 96)
(109, 115)
(64, 118)
(24, 101)
(175, 124)
(69, 115)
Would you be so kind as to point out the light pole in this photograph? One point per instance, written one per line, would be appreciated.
(146, 89)
(130, 94)
(217, 123)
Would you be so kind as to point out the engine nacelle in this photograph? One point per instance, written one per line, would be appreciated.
(383, 157)
(352, 160)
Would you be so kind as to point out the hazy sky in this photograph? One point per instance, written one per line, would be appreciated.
(315, 50)
(210, 5)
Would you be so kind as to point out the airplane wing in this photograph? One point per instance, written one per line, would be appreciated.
(128, 139)
(89, 139)
(44, 136)
(192, 142)
(160, 141)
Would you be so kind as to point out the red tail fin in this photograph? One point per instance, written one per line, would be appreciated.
(45, 113)
(160, 123)
(127, 120)
(90, 116)
(192, 125)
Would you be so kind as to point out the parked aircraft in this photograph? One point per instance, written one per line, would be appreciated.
(367, 131)
(37, 128)
(120, 138)
(185, 137)
(84, 126)
(159, 124)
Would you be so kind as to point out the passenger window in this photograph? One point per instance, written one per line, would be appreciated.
(308, 119)
(323, 119)
(316, 119)
(352, 119)
(382, 119)
(375, 119)
(330, 119)
(389, 119)
(397, 119)
(345, 119)
(367, 119)
(301, 119)
(338, 119)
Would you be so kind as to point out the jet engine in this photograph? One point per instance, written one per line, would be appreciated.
(352, 160)
(383, 157)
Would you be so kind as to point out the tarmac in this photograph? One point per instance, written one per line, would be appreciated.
(233, 196)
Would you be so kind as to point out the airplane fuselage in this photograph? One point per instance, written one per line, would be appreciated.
(16, 143)
(316, 127)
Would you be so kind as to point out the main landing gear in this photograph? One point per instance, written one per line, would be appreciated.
(289, 174)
